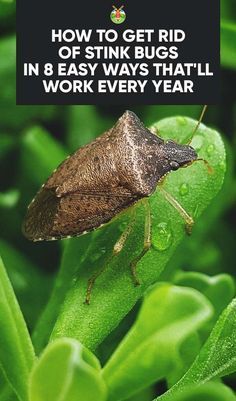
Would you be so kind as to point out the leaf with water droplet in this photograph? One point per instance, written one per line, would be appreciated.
(210, 149)
(184, 189)
(114, 294)
(162, 236)
(182, 120)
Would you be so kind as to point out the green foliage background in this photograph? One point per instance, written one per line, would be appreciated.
(174, 336)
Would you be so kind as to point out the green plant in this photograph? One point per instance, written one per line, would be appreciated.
(175, 334)
(149, 352)
(78, 376)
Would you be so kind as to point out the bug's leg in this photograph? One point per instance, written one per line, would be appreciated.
(116, 250)
(146, 244)
(124, 236)
(92, 280)
(189, 222)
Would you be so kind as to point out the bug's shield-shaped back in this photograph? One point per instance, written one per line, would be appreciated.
(97, 182)
(87, 189)
(52, 217)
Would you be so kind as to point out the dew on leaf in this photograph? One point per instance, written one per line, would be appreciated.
(162, 237)
(184, 189)
(181, 120)
(222, 165)
(210, 149)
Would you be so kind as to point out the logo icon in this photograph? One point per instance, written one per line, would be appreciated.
(118, 15)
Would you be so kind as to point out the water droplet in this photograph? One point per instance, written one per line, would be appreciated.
(197, 142)
(184, 189)
(222, 165)
(210, 149)
(181, 120)
(162, 237)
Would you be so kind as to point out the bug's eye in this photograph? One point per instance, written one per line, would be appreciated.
(174, 165)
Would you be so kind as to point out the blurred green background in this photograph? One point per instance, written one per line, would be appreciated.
(34, 139)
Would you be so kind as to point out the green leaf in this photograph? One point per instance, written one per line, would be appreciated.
(151, 112)
(145, 395)
(219, 290)
(16, 351)
(13, 116)
(209, 392)
(152, 348)
(227, 10)
(79, 132)
(6, 392)
(7, 14)
(9, 198)
(228, 44)
(40, 153)
(204, 251)
(211, 287)
(67, 371)
(114, 287)
(217, 357)
(27, 282)
(63, 282)
(6, 144)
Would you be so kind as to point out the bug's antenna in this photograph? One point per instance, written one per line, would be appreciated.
(198, 124)
(114, 7)
(209, 168)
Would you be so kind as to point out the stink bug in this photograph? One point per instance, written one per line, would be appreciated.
(115, 171)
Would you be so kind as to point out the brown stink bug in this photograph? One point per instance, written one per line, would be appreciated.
(115, 171)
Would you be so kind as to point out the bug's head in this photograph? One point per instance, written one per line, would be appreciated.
(178, 155)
